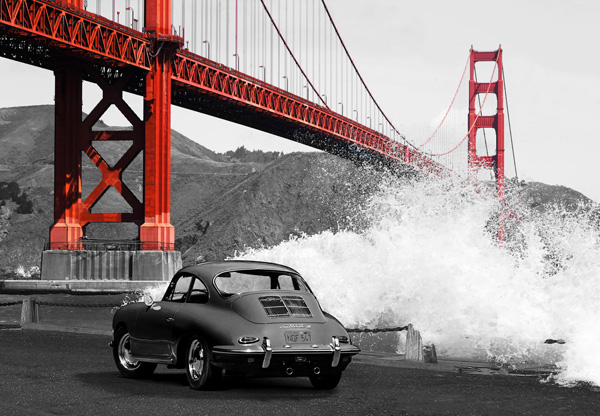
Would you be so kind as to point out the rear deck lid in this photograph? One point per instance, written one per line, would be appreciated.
(278, 306)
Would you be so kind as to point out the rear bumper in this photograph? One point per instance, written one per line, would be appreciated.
(295, 360)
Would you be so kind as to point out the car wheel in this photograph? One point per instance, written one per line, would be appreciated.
(127, 366)
(200, 373)
(325, 381)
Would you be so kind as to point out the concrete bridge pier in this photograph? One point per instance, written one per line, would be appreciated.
(143, 265)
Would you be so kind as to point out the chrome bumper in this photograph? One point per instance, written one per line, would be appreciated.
(266, 352)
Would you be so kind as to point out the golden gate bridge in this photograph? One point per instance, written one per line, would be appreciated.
(280, 67)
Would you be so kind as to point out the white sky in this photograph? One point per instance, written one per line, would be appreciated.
(412, 53)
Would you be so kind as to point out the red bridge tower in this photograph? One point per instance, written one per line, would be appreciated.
(154, 258)
(478, 121)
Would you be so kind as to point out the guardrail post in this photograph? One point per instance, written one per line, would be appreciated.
(429, 354)
(414, 345)
(416, 351)
(30, 312)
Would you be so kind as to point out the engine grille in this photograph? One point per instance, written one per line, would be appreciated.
(285, 306)
(274, 306)
(297, 306)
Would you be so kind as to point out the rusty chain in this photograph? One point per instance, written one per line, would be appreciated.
(376, 330)
(11, 303)
(81, 305)
(73, 305)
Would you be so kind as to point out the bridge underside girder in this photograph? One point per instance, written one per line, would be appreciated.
(50, 55)
(260, 119)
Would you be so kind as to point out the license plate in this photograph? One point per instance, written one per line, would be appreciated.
(297, 337)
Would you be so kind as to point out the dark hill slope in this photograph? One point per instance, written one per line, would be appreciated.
(26, 136)
(299, 193)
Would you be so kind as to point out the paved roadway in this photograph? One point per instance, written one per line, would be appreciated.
(54, 373)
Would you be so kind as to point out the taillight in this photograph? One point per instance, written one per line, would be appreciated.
(248, 340)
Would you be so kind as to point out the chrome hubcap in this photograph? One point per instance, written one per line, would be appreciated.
(196, 360)
(125, 354)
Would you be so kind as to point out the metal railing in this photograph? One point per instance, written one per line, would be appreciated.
(110, 245)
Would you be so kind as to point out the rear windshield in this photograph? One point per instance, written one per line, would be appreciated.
(232, 283)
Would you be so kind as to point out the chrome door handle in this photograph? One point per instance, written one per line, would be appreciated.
(169, 320)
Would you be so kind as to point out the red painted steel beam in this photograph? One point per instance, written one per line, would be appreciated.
(67, 226)
(64, 26)
(112, 94)
(157, 233)
(197, 75)
(496, 121)
(74, 137)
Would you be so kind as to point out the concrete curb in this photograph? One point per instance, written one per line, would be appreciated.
(62, 328)
(77, 286)
(397, 360)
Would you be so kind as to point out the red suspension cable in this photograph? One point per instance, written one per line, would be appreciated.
(451, 104)
(474, 122)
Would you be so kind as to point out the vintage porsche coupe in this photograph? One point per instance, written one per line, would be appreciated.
(237, 317)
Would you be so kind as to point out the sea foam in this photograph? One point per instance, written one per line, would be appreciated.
(429, 256)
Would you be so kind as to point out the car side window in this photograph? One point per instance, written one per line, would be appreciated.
(180, 290)
(198, 292)
(285, 282)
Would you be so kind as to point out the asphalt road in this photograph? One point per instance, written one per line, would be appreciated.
(51, 373)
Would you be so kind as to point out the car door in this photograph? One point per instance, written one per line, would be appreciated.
(189, 315)
(153, 329)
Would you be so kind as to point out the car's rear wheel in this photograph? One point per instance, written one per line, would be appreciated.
(325, 381)
(126, 365)
(200, 373)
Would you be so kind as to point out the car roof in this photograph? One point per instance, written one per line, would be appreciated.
(211, 269)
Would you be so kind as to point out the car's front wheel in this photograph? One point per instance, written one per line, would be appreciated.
(126, 365)
(200, 373)
(325, 381)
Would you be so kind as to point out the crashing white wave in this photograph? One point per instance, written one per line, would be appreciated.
(428, 257)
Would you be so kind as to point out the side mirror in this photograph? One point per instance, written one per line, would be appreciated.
(148, 300)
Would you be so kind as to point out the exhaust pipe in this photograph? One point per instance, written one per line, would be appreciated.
(317, 371)
(289, 371)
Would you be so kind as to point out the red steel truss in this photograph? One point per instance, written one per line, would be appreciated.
(78, 45)
(64, 25)
(288, 115)
(496, 122)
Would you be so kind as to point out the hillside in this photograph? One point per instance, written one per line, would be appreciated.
(26, 160)
(298, 193)
(221, 203)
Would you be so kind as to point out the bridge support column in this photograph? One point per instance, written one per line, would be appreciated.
(496, 122)
(157, 233)
(67, 228)
(70, 255)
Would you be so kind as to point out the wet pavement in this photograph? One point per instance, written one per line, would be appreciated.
(59, 373)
